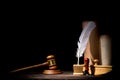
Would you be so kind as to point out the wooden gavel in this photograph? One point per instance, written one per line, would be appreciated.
(50, 62)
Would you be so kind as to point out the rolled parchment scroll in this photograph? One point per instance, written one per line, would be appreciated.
(105, 48)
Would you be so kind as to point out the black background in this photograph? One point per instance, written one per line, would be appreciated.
(30, 35)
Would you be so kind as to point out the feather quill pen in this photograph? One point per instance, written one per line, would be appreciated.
(83, 39)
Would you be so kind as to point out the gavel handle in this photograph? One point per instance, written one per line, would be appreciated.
(24, 68)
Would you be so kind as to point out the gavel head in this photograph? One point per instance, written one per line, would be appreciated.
(51, 62)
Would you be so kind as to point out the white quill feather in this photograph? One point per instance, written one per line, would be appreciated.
(83, 39)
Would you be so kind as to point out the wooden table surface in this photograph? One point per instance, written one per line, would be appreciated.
(65, 75)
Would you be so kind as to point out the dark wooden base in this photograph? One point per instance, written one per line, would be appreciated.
(52, 72)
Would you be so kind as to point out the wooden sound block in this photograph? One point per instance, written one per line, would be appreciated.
(52, 72)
